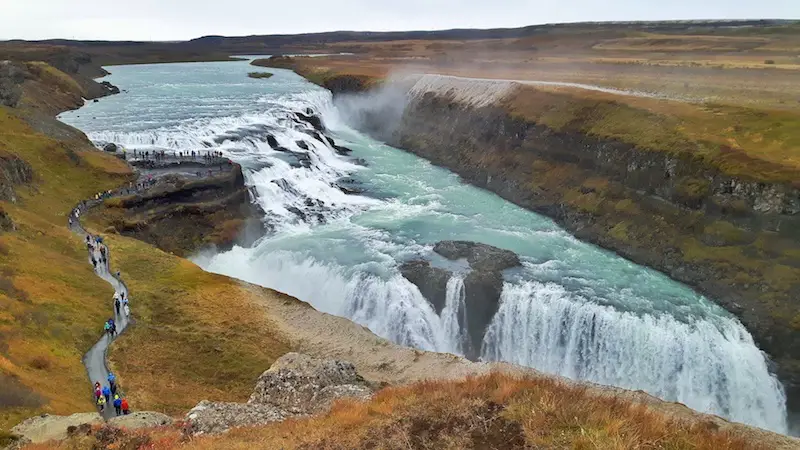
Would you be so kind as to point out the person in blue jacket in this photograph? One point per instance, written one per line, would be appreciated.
(107, 393)
(117, 404)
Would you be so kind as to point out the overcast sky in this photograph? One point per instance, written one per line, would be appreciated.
(186, 19)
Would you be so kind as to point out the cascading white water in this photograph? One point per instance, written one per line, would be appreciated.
(454, 314)
(714, 368)
(579, 312)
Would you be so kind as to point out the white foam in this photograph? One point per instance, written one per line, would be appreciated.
(714, 368)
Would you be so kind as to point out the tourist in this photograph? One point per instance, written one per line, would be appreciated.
(101, 404)
(117, 304)
(107, 393)
(98, 391)
(117, 404)
(125, 409)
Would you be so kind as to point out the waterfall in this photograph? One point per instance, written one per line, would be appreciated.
(601, 318)
(714, 368)
(454, 314)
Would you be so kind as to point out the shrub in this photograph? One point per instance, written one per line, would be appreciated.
(769, 61)
(41, 362)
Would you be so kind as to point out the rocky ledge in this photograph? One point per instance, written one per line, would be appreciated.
(184, 206)
(296, 385)
(47, 427)
(483, 284)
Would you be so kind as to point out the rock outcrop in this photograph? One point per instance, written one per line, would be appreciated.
(483, 284)
(183, 212)
(14, 171)
(480, 257)
(295, 385)
(48, 427)
(219, 417)
(12, 75)
(431, 281)
(141, 419)
(300, 384)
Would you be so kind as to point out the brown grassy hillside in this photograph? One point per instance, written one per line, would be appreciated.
(50, 301)
(196, 336)
(489, 412)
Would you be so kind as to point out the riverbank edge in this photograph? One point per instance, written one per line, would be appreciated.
(565, 201)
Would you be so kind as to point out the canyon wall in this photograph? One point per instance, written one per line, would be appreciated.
(734, 238)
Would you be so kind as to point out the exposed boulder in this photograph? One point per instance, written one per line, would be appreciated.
(318, 136)
(47, 427)
(6, 224)
(344, 151)
(431, 281)
(312, 120)
(141, 419)
(219, 417)
(302, 144)
(110, 88)
(272, 141)
(295, 385)
(483, 284)
(13, 171)
(301, 384)
(12, 75)
(110, 147)
(482, 291)
(480, 256)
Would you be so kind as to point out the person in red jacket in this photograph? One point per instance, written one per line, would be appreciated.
(125, 409)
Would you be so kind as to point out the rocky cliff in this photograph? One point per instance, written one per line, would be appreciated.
(483, 284)
(187, 206)
(733, 237)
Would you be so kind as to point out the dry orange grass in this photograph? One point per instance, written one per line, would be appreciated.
(490, 412)
(49, 296)
(197, 335)
(495, 411)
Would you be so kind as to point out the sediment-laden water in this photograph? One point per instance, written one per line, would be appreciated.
(571, 309)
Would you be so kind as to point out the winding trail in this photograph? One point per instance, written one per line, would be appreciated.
(95, 359)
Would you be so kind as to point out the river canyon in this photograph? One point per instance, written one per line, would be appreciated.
(344, 212)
